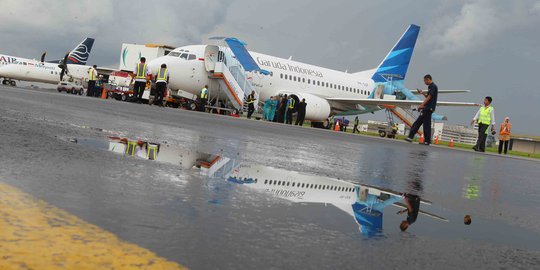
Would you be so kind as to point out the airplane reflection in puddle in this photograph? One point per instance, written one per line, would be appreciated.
(362, 202)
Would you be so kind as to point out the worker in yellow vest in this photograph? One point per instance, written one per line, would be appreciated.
(141, 73)
(162, 80)
(203, 99)
(251, 104)
(92, 78)
(291, 106)
(484, 117)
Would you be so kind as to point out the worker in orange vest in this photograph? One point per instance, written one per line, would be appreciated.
(504, 135)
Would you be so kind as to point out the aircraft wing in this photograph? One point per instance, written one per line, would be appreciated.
(399, 103)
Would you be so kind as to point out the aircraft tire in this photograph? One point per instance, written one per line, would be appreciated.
(13, 83)
(5, 82)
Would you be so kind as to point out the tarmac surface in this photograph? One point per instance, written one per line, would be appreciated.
(178, 216)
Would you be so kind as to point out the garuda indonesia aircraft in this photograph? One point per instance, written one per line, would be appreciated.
(327, 92)
(23, 69)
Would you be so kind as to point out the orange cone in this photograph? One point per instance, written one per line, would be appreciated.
(103, 93)
(337, 127)
(437, 139)
(422, 139)
(451, 142)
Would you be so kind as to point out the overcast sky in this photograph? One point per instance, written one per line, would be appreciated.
(489, 47)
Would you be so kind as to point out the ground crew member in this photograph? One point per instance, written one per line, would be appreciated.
(301, 109)
(290, 109)
(251, 104)
(282, 109)
(141, 77)
(162, 80)
(504, 135)
(203, 98)
(426, 110)
(484, 117)
(356, 123)
(92, 78)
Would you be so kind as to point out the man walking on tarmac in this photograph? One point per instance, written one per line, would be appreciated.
(251, 104)
(290, 109)
(484, 117)
(162, 80)
(141, 77)
(92, 78)
(203, 98)
(426, 110)
(301, 109)
(356, 123)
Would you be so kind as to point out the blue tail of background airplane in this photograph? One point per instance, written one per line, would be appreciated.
(397, 61)
(80, 54)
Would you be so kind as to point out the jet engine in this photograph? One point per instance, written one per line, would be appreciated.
(317, 110)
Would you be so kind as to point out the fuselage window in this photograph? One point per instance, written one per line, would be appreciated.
(281, 75)
(288, 183)
(318, 83)
(309, 81)
(326, 84)
(323, 187)
(286, 77)
(293, 184)
(311, 186)
(266, 181)
(279, 183)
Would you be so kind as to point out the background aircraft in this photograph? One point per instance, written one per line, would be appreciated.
(23, 69)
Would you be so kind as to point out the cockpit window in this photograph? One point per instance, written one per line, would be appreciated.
(192, 57)
(174, 54)
(184, 56)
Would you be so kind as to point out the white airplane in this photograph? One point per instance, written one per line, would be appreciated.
(16, 68)
(327, 92)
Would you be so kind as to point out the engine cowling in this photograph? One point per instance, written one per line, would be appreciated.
(318, 109)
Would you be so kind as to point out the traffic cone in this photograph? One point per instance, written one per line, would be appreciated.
(337, 127)
(437, 139)
(103, 93)
(422, 139)
(451, 142)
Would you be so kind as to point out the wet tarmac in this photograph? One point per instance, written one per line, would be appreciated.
(222, 219)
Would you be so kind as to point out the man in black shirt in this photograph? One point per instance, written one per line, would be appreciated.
(301, 109)
(426, 110)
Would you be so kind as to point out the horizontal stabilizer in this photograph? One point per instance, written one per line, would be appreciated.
(399, 103)
(403, 206)
(446, 91)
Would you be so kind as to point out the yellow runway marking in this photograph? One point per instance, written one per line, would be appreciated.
(36, 235)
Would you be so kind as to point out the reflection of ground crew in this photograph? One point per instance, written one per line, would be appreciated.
(203, 98)
(141, 77)
(484, 117)
(251, 104)
(290, 110)
(92, 78)
(162, 79)
(301, 109)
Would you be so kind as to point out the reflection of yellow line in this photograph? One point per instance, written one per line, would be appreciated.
(36, 235)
